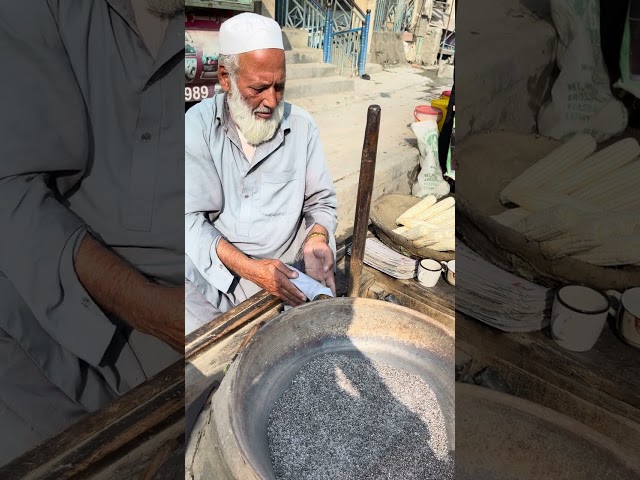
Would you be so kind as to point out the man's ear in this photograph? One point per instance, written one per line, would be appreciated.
(223, 78)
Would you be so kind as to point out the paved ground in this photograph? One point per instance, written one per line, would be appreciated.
(341, 120)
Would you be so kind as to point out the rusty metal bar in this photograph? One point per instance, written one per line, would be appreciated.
(363, 203)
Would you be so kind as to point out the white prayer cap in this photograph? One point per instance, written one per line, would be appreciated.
(248, 32)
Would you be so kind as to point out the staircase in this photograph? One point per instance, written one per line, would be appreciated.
(307, 76)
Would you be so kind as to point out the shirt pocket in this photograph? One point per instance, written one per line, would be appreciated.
(277, 193)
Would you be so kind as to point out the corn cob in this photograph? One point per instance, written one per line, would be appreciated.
(416, 232)
(622, 180)
(621, 250)
(536, 200)
(445, 245)
(401, 230)
(571, 243)
(424, 242)
(449, 222)
(618, 198)
(511, 216)
(569, 154)
(412, 223)
(423, 233)
(441, 206)
(598, 165)
(444, 217)
(608, 224)
(419, 207)
(549, 223)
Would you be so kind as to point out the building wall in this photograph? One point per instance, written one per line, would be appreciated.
(386, 48)
(266, 8)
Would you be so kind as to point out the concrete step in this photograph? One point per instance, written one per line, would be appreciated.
(308, 87)
(296, 71)
(313, 70)
(293, 38)
(303, 55)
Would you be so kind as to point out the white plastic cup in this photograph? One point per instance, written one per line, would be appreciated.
(429, 272)
(578, 316)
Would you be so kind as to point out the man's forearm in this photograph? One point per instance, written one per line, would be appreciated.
(120, 289)
(234, 259)
(239, 263)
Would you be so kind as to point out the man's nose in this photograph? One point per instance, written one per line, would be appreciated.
(270, 99)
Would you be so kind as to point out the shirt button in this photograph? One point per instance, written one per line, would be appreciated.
(246, 196)
(85, 302)
(146, 137)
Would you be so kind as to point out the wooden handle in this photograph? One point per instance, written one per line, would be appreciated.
(363, 203)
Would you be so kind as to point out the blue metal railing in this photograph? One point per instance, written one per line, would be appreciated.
(305, 14)
(332, 29)
(348, 47)
(393, 15)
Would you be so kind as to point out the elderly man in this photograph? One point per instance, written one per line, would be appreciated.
(258, 193)
(91, 188)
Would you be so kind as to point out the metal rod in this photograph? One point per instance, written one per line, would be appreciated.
(363, 202)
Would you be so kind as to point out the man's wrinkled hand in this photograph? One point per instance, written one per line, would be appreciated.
(318, 262)
(273, 276)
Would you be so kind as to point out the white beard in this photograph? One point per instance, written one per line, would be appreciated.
(165, 8)
(256, 130)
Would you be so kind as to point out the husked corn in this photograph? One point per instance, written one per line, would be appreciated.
(449, 222)
(439, 207)
(419, 207)
(511, 216)
(623, 180)
(595, 167)
(616, 199)
(445, 217)
(445, 245)
(416, 232)
(424, 242)
(437, 234)
(569, 154)
(621, 250)
(536, 200)
(412, 223)
(549, 223)
(568, 244)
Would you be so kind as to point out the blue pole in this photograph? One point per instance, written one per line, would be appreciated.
(364, 41)
(326, 47)
(363, 47)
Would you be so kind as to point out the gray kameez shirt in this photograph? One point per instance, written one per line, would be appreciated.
(264, 208)
(91, 141)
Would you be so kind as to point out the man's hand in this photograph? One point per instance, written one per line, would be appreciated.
(273, 276)
(318, 260)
